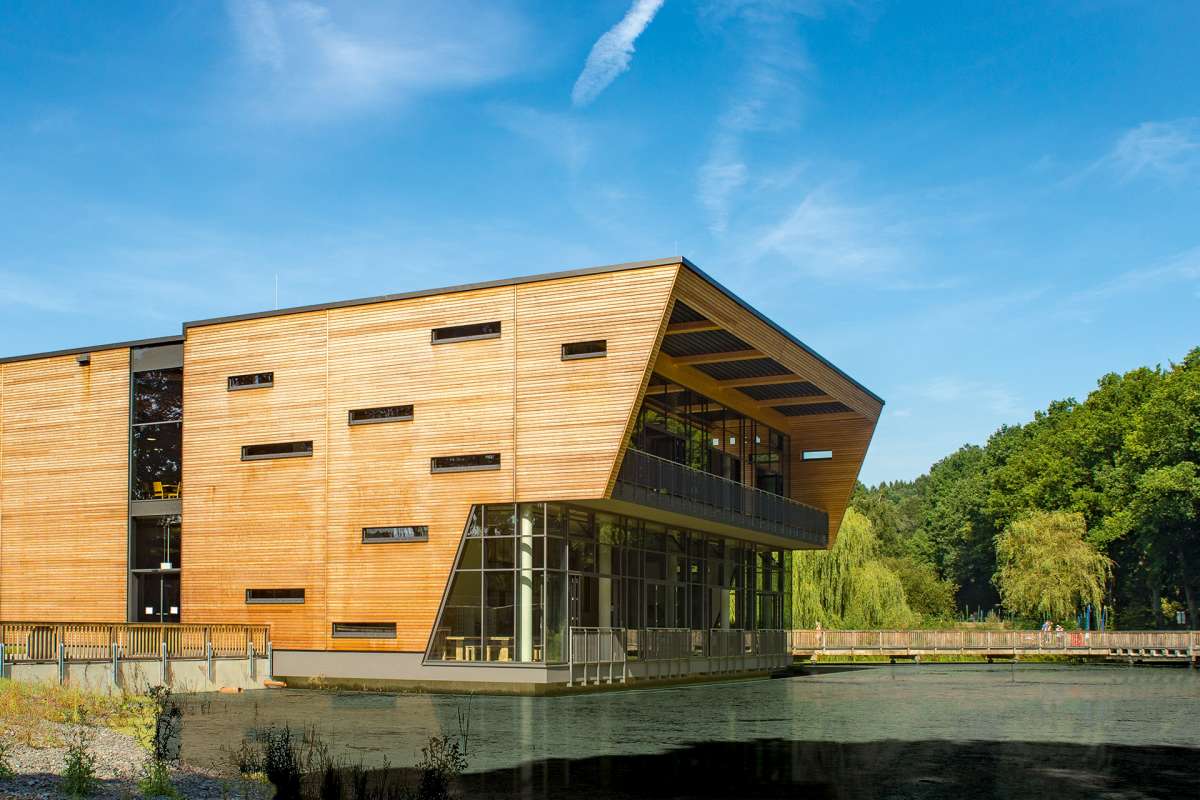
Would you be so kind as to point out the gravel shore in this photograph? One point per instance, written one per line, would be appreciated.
(119, 761)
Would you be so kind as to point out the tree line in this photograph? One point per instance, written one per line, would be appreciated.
(1092, 507)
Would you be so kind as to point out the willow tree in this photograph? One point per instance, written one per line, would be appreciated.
(849, 585)
(1046, 567)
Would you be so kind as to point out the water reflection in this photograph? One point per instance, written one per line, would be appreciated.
(832, 728)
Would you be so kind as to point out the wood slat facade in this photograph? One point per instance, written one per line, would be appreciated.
(561, 428)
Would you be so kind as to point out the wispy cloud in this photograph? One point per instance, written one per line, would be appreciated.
(19, 291)
(953, 391)
(306, 59)
(1168, 150)
(1180, 269)
(822, 237)
(562, 136)
(767, 96)
(1161, 149)
(611, 54)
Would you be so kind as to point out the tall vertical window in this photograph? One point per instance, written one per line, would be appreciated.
(157, 434)
(155, 568)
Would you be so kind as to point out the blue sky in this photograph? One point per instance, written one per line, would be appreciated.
(973, 208)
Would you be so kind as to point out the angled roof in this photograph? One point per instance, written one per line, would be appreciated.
(545, 276)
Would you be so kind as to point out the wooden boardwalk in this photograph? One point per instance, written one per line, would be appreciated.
(1177, 646)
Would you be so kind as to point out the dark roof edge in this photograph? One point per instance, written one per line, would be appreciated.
(73, 351)
(465, 287)
(779, 329)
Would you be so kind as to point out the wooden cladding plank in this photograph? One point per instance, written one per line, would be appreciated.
(718, 307)
(828, 484)
(64, 443)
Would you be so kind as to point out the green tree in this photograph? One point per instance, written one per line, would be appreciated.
(849, 585)
(926, 594)
(1158, 485)
(1046, 568)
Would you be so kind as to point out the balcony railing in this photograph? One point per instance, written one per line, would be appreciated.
(666, 485)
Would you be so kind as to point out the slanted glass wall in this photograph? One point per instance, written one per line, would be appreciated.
(684, 426)
(526, 573)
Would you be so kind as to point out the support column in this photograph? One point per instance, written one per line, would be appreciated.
(525, 572)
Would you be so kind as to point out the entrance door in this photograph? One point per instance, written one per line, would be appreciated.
(157, 596)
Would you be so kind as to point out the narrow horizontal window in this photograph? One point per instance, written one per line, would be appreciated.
(364, 630)
(258, 452)
(253, 380)
(463, 333)
(396, 533)
(367, 416)
(818, 455)
(596, 348)
(274, 596)
(473, 463)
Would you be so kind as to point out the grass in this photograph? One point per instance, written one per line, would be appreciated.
(26, 708)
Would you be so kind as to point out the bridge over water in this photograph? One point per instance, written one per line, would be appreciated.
(1177, 646)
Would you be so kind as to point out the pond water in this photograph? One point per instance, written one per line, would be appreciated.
(928, 730)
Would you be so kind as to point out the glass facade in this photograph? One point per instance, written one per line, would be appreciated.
(681, 425)
(157, 434)
(527, 573)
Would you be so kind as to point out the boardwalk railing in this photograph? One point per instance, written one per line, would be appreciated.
(1158, 644)
(40, 642)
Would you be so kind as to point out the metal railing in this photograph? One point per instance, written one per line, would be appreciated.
(653, 481)
(606, 655)
(1167, 644)
(34, 642)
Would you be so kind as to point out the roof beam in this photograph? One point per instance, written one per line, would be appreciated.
(698, 326)
(737, 383)
(798, 400)
(719, 358)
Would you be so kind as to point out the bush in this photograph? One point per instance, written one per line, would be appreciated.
(79, 773)
(156, 780)
(6, 770)
(442, 759)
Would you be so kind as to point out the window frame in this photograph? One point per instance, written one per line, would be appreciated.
(816, 455)
(334, 633)
(276, 601)
(565, 356)
(275, 456)
(422, 532)
(434, 469)
(269, 383)
(434, 338)
(350, 420)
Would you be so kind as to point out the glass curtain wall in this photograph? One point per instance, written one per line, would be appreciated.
(527, 573)
(682, 425)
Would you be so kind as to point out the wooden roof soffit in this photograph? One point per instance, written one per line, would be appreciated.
(726, 314)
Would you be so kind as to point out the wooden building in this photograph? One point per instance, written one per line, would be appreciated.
(434, 486)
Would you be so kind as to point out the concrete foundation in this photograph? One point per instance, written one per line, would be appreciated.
(182, 675)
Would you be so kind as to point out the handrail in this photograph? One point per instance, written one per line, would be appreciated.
(663, 483)
(1171, 643)
(33, 642)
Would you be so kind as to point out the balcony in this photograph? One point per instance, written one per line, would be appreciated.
(668, 486)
